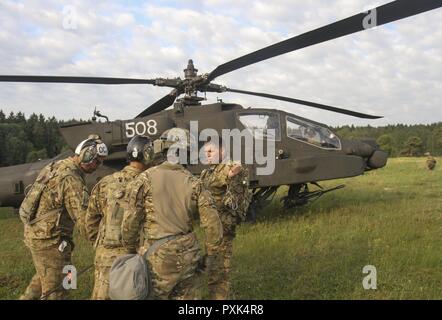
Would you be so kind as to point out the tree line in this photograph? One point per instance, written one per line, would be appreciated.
(400, 140)
(29, 139)
(24, 140)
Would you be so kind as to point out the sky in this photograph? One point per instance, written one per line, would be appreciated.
(393, 70)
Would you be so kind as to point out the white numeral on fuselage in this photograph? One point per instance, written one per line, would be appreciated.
(141, 128)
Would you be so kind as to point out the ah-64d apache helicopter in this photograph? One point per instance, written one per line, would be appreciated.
(306, 151)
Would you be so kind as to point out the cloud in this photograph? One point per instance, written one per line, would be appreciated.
(390, 70)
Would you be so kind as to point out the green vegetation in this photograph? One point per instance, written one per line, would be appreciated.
(27, 140)
(390, 218)
(400, 140)
(33, 138)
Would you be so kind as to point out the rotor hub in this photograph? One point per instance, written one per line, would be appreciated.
(190, 72)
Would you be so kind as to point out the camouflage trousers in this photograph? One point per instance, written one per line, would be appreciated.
(104, 257)
(218, 270)
(173, 267)
(49, 263)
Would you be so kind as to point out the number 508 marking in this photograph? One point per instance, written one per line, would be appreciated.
(141, 128)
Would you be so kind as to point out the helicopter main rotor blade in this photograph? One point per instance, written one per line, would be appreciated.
(161, 104)
(63, 79)
(307, 103)
(389, 12)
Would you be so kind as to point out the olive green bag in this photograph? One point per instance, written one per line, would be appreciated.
(29, 206)
(113, 217)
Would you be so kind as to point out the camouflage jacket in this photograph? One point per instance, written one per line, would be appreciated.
(431, 160)
(164, 200)
(95, 220)
(232, 194)
(63, 203)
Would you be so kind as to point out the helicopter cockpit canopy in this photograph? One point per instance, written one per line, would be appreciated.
(259, 124)
(312, 133)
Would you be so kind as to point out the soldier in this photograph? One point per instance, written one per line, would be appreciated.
(312, 136)
(431, 161)
(105, 213)
(163, 201)
(228, 182)
(54, 204)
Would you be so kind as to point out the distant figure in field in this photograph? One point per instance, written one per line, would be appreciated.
(431, 162)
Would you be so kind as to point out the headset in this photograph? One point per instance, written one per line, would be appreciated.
(88, 150)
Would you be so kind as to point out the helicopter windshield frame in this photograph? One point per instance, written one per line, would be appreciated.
(261, 122)
(312, 134)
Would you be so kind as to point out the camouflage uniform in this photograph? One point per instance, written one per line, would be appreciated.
(232, 200)
(431, 162)
(64, 203)
(163, 202)
(95, 223)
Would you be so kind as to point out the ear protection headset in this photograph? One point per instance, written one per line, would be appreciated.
(88, 150)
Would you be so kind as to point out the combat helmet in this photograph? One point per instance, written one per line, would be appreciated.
(140, 148)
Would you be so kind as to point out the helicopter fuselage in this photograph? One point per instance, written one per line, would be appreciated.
(298, 157)
(303, 150)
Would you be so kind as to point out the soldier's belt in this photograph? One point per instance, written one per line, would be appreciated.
(45, 216)
(159, 242)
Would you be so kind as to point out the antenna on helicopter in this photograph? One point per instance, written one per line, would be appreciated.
(98, 114)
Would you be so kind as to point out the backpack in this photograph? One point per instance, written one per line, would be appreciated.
(114, 212)
(29, 206)
(129, 277)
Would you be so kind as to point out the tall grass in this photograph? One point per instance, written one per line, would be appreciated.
(389, 218)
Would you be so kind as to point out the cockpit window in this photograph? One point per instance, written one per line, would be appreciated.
(312, 134)
(260, 123)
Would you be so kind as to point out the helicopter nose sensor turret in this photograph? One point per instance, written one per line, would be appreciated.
(367, 149)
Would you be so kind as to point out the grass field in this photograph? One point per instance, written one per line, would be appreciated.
(389, 218)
